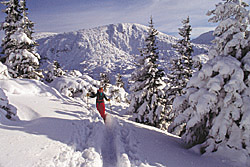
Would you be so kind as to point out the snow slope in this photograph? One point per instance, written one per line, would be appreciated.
(40, 35)
(57, 131)
(53, 131)
(109, 49)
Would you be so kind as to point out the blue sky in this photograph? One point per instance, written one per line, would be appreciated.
(71, 15)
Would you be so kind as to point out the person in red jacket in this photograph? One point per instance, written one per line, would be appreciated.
(100, 96)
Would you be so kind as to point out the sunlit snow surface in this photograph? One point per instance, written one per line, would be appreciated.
(55, 130)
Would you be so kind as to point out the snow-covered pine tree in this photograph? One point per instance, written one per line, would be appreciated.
(54, 70)
(146, 92)
(104, 79)
(115, 94)
(174, 87)
(181, 68)
(18, 48)
(119, 82)
(115, 91)
(26, 23)
(230, 35)
(185, 50)
(6, 109)
(9, 26)
(215, 110)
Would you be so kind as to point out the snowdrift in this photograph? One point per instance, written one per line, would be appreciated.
(56, 130)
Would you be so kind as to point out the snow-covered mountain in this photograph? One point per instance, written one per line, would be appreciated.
(40, 35)
(109, 49)
(204, 38)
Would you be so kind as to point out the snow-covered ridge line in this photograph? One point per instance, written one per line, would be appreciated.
(40, 35)
(205, 38)
(110, 49)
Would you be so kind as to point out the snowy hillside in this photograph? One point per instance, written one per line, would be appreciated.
(205, 38)
(57, 131)
(43, 35)
(109, 49)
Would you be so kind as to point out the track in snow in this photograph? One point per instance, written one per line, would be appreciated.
(109, 153)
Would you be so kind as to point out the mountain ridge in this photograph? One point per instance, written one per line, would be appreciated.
(205, 38)
(109, 48)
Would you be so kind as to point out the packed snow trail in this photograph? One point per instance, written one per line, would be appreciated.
(109, 154)
(54, 131)
(131, 144)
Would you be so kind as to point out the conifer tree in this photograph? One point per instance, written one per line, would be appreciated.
(18, 47)
(147, 97)
(10, 26)
(119, 82)
(54, 70)
(175, 86)
(214, 112)
(26, 23)
(185, 50)
(104, 79)
(6, 109)
(115, 92)
(181, 68)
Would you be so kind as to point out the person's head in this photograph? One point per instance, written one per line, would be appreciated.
(100, 89)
